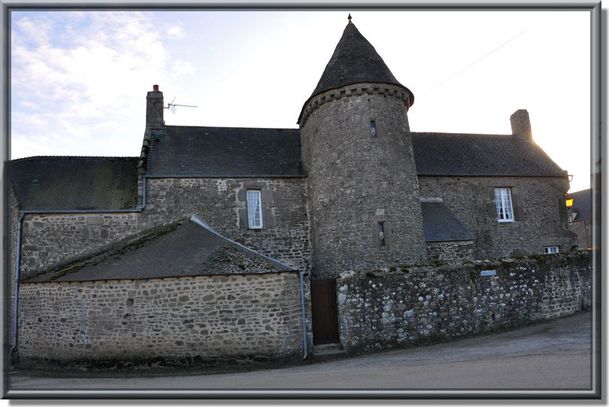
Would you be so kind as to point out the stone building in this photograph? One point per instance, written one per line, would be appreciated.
(579, 205)
(350, 190)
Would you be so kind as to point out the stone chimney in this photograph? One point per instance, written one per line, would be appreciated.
(521, 125)
(154, 109)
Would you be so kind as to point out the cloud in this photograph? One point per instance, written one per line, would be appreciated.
(73, 73)
(175, 31)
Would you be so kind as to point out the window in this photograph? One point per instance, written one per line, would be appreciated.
(503, 202)
(382, 233)
(550, 250)
(373, 128)
(254, 210)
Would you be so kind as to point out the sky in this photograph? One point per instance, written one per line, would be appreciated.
(79, 78)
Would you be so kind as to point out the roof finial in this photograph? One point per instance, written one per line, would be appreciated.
(349, 18)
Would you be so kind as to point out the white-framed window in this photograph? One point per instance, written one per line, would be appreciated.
(254, 209)
(503, 202)
(550, 250)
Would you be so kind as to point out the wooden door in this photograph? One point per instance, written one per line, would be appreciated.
(323, 307)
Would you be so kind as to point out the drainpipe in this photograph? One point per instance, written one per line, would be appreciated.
(302, 310)
(15, 316)
(16, 300)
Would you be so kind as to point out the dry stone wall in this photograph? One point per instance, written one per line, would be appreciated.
(539, 210)
(209, 317)
(423, 305)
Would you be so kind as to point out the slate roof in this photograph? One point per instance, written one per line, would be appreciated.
(582, 204)
(441, 225)
(186, 248)
(53, 183)
(225, 152)
(93, 183)
(452, 154)
(354, 61)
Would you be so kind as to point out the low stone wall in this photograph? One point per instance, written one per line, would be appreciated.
(423, 305)
(209, 317)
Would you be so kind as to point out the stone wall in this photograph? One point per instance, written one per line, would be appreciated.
(539, 210)
(13, 221)
(423, 305)
(583, 230)
(355, 181)
(450, 252)
(209, 317)
(52, 239)
(222, 204)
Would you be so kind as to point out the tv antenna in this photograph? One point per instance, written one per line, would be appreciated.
(172, 106)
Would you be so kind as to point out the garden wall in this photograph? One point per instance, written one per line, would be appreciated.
(427, 304)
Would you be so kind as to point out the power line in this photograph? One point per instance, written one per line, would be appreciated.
(474, 63)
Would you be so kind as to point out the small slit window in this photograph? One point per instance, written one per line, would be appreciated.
(503, 203)
(254, 210)
(382, 233)
(372, 128)
(551, 250)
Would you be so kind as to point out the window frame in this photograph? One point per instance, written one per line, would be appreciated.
(250, 210)
(550, 249)
(504, 205)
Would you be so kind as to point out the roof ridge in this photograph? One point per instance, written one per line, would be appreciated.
(439, 133)
(233, 127)
(198, 221)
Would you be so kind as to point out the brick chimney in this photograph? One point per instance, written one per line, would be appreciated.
(154, 109)
(521, 125)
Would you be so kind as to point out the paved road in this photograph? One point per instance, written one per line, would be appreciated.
(552, 355)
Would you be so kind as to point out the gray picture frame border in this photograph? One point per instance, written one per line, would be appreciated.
(598, 18)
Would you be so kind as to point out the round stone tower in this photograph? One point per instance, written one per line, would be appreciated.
(357, 151)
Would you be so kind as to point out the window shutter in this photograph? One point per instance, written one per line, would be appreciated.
(516, 207)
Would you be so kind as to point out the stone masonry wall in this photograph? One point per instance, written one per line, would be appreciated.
(209, 317)
(359, 180)
(539, 210)
(222, 204)
(583, 230)
(450, 252)
(13, 220)
(52, 239)
(423, 305)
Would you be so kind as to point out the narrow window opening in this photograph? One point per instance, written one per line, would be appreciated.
(254, 210)
(382, 233)
(373, 128)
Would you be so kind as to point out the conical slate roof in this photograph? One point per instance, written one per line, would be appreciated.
(354, 61)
